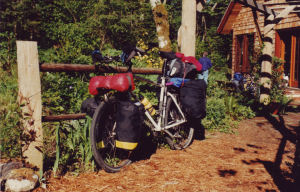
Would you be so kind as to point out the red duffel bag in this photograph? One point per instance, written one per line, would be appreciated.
(120, 82)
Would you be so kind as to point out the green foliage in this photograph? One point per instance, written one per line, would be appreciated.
(223, 109)
(217, 45)
(62, 93)
(10, 114)
(277, 84)
(73, 147)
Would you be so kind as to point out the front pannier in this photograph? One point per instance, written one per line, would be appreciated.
(128, 124)
(193, 98)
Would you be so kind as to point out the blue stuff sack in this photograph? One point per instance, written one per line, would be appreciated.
(177, 82)
(124, 57)
(238, 76)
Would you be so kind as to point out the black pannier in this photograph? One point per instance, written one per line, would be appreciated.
(128, 124)
(191, 71)
(193, 98)
(178, 68)
(90, 105)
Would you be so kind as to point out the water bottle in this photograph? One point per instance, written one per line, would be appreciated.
(148, 105)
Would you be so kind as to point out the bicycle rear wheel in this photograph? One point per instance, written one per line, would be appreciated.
(184, 130)
(103, 137)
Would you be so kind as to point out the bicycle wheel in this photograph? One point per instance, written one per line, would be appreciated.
(103, 136)
(184, 130)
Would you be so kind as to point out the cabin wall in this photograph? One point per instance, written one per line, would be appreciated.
(244, 24)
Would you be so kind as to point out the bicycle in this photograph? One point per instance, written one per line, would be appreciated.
(247, 83)
(170, 119)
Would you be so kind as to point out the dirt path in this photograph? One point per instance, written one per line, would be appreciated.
(259, 158)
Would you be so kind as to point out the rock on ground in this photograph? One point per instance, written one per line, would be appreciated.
(6, 168)
(23, 179)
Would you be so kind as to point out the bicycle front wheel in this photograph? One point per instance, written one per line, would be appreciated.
(103, 137)
(184, 133)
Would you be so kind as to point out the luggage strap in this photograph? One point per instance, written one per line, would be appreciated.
(129, 81)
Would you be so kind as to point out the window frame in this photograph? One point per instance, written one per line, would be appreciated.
(242, 43)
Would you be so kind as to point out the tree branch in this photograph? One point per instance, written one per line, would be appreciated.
(70, 12)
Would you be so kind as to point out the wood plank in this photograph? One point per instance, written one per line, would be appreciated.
(278, 18)
(255, 18)
(282, 3)
(257, 6)
(58, 67)
(282, 7)
(30, 94)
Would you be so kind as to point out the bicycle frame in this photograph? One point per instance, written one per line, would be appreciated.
(160, 125)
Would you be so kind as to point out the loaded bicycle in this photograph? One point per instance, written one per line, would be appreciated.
(169, 118)
(246, 83)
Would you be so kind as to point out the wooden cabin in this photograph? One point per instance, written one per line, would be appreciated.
(246, 21)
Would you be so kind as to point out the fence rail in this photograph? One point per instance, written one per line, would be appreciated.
(58, 67)
(63, 117)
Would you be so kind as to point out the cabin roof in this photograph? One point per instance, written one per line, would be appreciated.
(235, 6)
(233, 10)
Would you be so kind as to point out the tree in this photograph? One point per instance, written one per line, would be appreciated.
(162, 25)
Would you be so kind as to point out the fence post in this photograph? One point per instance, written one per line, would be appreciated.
(30, 100)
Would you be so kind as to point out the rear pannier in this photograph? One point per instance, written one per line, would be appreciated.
(90, 105)
(193, 98)
(128, 124)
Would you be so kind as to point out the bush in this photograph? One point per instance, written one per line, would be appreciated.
(223, 109)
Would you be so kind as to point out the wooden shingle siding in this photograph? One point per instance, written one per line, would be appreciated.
(244, 24)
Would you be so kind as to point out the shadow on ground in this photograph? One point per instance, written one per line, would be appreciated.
(281, 179)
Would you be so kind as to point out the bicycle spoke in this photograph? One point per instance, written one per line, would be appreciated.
(109, 157)
(183, 134)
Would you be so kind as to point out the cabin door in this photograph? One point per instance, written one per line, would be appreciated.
(295, 61)
(287, 47)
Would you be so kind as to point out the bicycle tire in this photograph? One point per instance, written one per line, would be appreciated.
(102, 135)
(187, 132)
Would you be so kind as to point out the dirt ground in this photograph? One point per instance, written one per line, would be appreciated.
(259, 158)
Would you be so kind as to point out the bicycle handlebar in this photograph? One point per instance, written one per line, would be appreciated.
(129, 50)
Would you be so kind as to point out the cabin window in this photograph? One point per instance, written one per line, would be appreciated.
(244, 44)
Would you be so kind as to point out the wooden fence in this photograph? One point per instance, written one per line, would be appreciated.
(30, 94)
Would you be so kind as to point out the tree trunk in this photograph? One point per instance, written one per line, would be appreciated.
(188, 27)
(162, 25)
